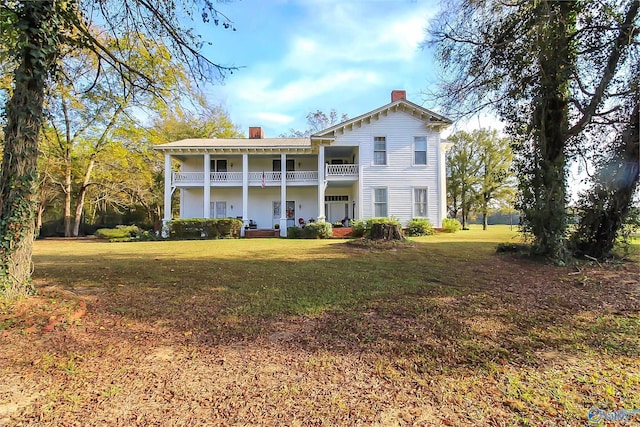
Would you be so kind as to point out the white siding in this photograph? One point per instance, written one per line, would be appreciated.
(399, 176)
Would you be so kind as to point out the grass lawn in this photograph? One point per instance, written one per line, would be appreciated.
(317, 332)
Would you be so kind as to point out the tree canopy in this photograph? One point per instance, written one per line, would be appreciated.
(552, 70)
(34, 37)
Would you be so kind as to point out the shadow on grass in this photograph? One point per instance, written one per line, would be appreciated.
(434, 307)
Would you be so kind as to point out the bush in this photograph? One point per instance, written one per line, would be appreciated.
(294, 232)
(358, 228)
(420, 227)
(451, 225)
(204, 228)
(121, 232)
(317, 230)
(313, 230)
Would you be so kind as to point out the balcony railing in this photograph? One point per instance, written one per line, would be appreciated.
(255, 178)
(188, 177)
(349, 170)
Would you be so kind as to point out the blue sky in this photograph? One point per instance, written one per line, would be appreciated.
(298, 56)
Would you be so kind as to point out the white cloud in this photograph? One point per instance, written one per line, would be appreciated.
(343, 36)
(264, 92)
(274, 118)
(335, 54)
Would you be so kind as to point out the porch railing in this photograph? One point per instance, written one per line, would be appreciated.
(342, 170)
(226, 176)
(188, 177)
(255, 178)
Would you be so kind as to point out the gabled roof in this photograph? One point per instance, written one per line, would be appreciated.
(428, 116)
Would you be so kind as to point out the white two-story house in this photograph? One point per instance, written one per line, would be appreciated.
(389, 162)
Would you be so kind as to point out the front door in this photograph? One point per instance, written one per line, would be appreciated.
(291, 213)
(336, 211)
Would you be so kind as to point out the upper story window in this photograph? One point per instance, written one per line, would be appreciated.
(420, 150)
(277, 165)
(380, 150)
(218, 165)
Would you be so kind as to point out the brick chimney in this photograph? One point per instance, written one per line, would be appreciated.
(256, 133)
(398, 94)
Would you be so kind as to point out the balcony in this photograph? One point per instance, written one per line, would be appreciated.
(345, 172)
(231, 179)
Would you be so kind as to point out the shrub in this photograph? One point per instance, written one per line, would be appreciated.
(451, 225)
(317, 230)
(204, 228)
(294, 232)
(420, 227)
(358, 228)
(121, 232)
(313, 230)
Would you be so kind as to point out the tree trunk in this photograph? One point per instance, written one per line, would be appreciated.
(386, 232)
(41, 209)
(485, 220)
(546, 214)
(68, 143)
(19, 163)
(67, 198)
(81, 196)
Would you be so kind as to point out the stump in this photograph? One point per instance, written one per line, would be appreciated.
(386, 232)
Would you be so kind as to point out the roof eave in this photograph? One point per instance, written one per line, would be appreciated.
(429, 117)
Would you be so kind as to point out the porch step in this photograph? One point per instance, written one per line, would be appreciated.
(342, 232)
(261, 233)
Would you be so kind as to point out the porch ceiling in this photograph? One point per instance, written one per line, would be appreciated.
(338, 151)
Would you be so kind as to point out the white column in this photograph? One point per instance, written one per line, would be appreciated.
(245, 192)
(283, 195)
(167, 187)
(321, 169)
(206, 211)
(360, 193)
(167, 193)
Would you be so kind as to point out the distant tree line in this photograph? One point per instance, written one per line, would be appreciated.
(480, 180)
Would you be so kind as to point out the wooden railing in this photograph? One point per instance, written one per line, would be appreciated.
(341, 170)
(188, 177)
(255, 178)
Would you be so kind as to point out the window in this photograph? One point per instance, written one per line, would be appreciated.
(380, 150)
(420, 150)
(218, 165)
(420, 202)
(336, 198)
(276, 209)
(380, 202)
(277, 165)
